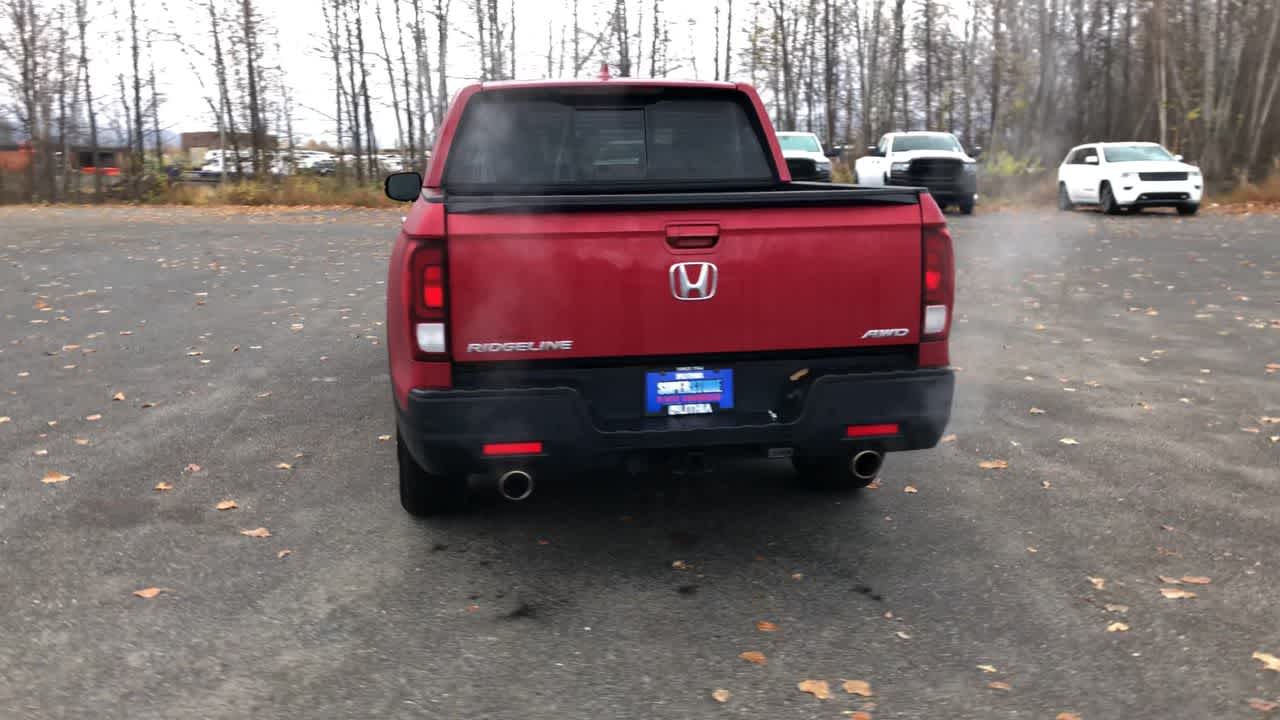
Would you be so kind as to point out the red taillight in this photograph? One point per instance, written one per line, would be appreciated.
(860, 431)
(427, 321)
(512, 448)
(939, 283)
(433, 287)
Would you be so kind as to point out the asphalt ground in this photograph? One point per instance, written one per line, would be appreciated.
(249, 350)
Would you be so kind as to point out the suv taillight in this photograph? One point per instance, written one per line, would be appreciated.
(939, 283)
(430, 300)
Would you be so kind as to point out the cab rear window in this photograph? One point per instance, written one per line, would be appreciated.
(522, 140)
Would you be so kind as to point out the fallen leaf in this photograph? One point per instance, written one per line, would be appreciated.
(679, 565)
(997, 685)
(859, 715)
(1046, 484)
(283, 466)
(1176, 593)
(987, 668)
(4, 419)
(93, 418)
(1067, 716)
(1169, 580)
(195, 353)
(148, 593)
(473, 608)
(192, 468)
(797, 576)
(162, 486)
(1269, 661)
(81, 441)
(857, 687)
(1036, 411)
(755, 657)
(284, 553)
(1117, 627)
(1195, 580)
(993, 464)
(949, 438)
(226, 505)
(1261, 705)
(766, 626)
(40, 452)
(384, 438)
(257, 533)
(1113, 607)
(118, 397)
(818, 688)
(910, 489)
(263, 394)
(874, 484)
(147, 405)
(721, 695)
(53, 476)
(1098, 582)
(903, 635)
(1069, 441)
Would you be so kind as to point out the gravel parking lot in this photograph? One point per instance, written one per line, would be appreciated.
(1125, 369)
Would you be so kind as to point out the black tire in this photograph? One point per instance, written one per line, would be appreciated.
(1188, 209)
(1108, 201)
(966, 206)
(1064, 198)
(827, 475)
(423, 494)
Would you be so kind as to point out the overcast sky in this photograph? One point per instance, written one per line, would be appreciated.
(299, 27)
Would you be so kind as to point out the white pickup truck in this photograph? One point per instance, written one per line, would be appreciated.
(932, 160)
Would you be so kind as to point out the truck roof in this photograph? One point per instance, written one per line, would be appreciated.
(613, 82)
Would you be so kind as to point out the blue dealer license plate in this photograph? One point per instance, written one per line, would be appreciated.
(688, 391)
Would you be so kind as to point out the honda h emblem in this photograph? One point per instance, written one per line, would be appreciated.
(694, 280)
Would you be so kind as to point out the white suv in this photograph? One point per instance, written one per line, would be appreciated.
(1123, 176)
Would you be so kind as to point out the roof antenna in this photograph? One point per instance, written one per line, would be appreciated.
(604, 71)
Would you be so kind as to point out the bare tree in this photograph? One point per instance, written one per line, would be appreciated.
(138, 149)
(82, 23)
(391, 74)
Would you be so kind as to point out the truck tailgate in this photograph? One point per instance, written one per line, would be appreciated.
(610, 283)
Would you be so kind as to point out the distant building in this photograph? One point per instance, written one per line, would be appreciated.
(16, 158)
(208, 140)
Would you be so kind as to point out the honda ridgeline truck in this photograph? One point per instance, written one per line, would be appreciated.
(600, 272)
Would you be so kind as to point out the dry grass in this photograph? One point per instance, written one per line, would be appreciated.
(1265, 194)
(291, 191)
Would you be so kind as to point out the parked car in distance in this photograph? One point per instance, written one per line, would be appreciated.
(935, 161)
(805, 157)
(610, 273)
(1128, 176)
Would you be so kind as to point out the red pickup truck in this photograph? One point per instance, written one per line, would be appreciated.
(600, 272)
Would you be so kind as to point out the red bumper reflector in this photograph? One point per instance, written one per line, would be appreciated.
(855, 431)
(513, 448)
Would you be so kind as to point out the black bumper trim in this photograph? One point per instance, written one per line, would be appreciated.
(444, 430)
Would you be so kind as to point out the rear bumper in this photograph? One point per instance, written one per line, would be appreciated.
(445, 430)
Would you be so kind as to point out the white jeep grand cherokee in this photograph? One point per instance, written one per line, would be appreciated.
(1124, 176)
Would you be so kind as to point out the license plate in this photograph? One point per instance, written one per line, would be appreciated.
(688, 391)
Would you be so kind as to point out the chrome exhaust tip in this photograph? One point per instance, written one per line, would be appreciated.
(515, 485)
(866, 464)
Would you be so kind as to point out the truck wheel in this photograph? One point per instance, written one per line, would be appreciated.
(966, 206)
(828, 474)
(1108, 201)
(1064, 198)
(422, 493)
(1188, 209)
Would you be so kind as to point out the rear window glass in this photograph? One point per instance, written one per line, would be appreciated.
(512, 140)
